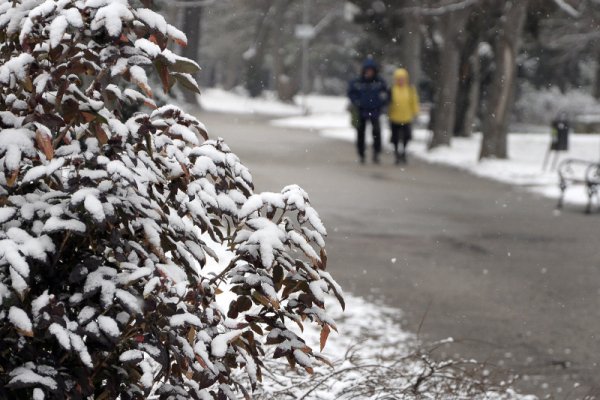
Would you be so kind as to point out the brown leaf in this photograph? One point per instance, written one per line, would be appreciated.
(291, 360)
(149, 103)
(306, 350)
(185, 65)
(244, 303)
(44, 144)
(88, 117)
(180, 42)
(246, 394)
(25, 333)
(256, 328)
(28, 84)
(153, 39)
(201, 362)
(12, 178)
(26, 47)
(145, 88)
(323, 259)
(275, 303)
(324, 335)
(186, 172)
(233, 310)
(202, 132)
(191, 336)
(187, 82)
(299, 323)
(163, 73)
(323, 359)
(101, 134)
(261, 299)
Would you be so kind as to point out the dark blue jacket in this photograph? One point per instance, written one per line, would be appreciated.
(368, 96)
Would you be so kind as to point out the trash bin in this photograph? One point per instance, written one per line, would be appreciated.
(560, 133)
(560, 139)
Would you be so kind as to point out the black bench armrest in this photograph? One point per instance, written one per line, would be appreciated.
(574, 170)
(592, 175)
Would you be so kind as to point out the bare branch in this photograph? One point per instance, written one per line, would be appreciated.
(567, 8)
(442, 9)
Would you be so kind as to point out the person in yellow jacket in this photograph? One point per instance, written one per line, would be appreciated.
(403, 109)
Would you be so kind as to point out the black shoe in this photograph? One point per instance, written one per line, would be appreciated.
(375, 158)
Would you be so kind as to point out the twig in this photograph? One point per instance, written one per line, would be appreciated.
(424, 317)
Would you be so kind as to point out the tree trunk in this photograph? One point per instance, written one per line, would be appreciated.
(231, 72)
(284, 84)
(256, 76)
(412, 43)
(597, 80)
(501, 90)
(448, 78)
(468, 96)
(473, 97)
(192, 17)
(462, 95)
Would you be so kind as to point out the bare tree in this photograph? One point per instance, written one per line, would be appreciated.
(452, 31)
(497, 105)
(192, 24)
(412, 40)
(572, 32)
(468, 96)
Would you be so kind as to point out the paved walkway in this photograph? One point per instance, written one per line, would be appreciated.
(482, 262)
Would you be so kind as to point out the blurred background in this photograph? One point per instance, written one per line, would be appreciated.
(495, 265)
(545, 53)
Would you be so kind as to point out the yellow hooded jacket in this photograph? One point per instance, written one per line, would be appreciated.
(404, 101)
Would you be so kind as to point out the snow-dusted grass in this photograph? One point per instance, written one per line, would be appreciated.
(372, 357)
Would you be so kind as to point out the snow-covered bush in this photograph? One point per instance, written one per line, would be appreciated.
(541, 106)
(105, 223)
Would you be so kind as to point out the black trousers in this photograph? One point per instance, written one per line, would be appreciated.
(361, 130)
(400, 133)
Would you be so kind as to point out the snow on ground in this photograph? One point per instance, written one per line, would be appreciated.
(328, 115)
(524, 168)
(370, 347)
(219, 100)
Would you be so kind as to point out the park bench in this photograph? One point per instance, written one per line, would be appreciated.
(579, 172)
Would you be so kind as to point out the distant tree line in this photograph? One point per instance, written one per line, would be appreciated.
(467, 56)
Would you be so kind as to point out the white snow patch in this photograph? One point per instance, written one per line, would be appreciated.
(219, 100)
(27, 377)
(20, 319)
(108, 326)
(218, 346)
(61, 334)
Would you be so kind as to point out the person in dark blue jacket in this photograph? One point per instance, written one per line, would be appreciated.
(368, 95)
